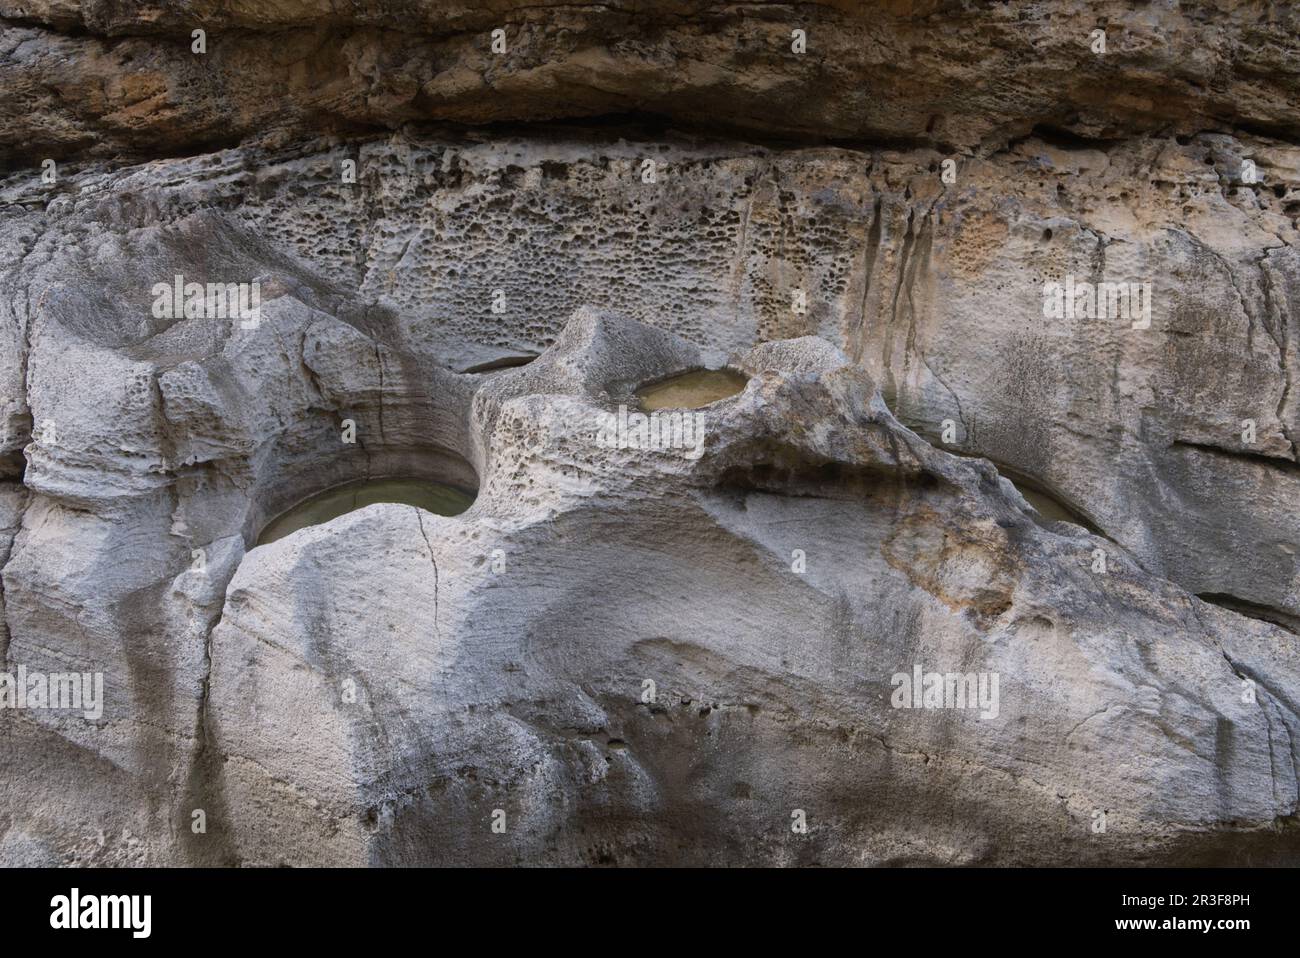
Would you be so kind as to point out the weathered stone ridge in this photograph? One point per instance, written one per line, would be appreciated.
(100, 78)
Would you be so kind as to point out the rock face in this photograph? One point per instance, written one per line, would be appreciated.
(103, 77)
(701, 652)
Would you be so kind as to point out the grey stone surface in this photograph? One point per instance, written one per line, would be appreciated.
(520, 690)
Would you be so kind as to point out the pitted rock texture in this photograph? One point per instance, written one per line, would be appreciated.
(629, 192)
(935, 289)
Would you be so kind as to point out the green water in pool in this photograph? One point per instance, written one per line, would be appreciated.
(692, 390)
(436, 497)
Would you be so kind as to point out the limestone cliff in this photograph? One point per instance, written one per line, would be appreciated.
(876, 211)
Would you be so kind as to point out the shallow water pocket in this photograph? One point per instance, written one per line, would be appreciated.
(692, 390)
(435, 497)
(1046, 506)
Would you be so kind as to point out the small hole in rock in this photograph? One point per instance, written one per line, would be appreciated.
(502, 362)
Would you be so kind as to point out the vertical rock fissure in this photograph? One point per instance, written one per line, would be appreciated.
(1276, 324)
(869, 253)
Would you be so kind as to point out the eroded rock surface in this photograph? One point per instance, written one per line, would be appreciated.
(772, 688)
(373, 690)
